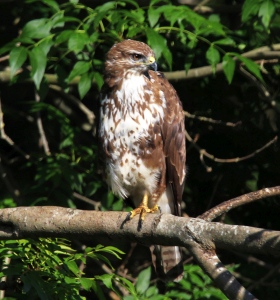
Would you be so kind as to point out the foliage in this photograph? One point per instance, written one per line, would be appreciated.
(195, 285)
(55, 58)
(49, 269)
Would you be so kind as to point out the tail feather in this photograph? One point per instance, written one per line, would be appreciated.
(167, 261)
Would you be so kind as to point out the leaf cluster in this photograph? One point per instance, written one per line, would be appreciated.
(51, 269)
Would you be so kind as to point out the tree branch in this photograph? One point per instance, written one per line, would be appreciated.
(201, 238)
(226, 206)
(163, 229)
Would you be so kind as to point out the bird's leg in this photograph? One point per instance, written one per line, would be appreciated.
(142, 210)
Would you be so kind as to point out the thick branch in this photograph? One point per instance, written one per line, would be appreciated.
(200, 237)
(164, 229)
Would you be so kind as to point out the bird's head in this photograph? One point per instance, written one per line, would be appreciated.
(129, 55)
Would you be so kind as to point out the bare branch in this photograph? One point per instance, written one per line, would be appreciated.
(41, 129)
(95, 204)
(210, 120)
(238, 201)
(77, 103)
(203, 153)
(15, 193)
(6, 138)
(224, 280)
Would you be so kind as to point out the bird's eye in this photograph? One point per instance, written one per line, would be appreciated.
(136, 56)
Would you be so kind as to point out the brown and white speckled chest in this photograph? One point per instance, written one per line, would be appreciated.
(131, 117)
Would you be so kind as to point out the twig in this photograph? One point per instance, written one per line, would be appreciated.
(203, 153)
(95, 204)
(106, 269)
(3, 58)
(251, 259)
(210, 120)
(127, 257)
(41, 128)
(6, 138)
(226, 206)
(10, 187)
(89, 114)
(265, 277)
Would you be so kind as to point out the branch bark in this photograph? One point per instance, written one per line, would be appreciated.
(201, 238)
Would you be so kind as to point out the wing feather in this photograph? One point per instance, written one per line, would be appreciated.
(173, 134)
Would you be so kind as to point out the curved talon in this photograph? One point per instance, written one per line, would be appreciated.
(141, 210)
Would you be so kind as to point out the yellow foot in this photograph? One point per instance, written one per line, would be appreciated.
(142, 210)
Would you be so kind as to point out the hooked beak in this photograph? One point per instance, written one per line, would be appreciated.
(152, 63)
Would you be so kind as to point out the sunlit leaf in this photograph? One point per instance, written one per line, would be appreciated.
(86, 283)
(266, 12)
(77, 41)
(250, 7)
(79, 68)
(37, 29)
(153, 16)
(158, 44)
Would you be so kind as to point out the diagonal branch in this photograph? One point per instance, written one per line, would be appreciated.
(226, 206)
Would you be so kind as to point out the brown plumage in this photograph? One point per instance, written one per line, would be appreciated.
(143, 141)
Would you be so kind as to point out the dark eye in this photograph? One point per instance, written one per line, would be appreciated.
(136, 56)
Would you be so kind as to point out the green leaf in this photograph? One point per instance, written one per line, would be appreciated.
(52, 3)
(143, 281)
(17, 57)
(84, 84)
(158, 44)
(46, 45)
(98, 291)
(64, 36)
(128, 285)
(228, 67)
(153, 16)
(77, 41)
(225, 42)
(37, 29)
(195, 279)
(213, 56)
(86, 283)
(266, 12)
(251, 66)
(98, 79)
(106, 279)
(72, 265)
(250, 7)
(79, 68)
(38, 63)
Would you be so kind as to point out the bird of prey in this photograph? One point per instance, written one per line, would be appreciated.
(142, 137)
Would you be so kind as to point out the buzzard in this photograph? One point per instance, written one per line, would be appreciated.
(143, 141)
